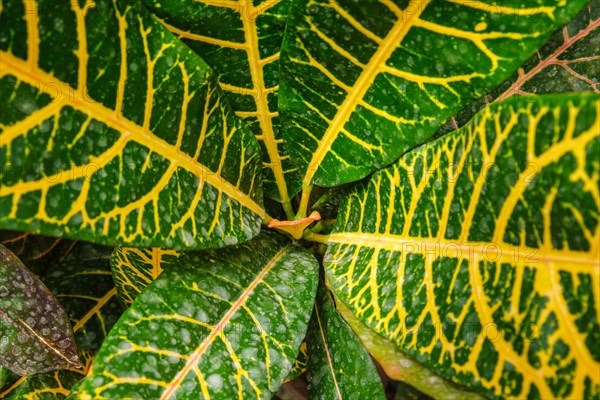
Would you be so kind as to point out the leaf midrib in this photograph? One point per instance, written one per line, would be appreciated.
(327, 353)
(525, 77)
(574, 261)
(218, 328)
(35, 337)
(262, 106)
(112, 118)
(362, 85)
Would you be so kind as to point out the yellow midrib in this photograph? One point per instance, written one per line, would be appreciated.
(218, 328)
(363, 83)
(569, 259)
(127, 128)
(262, 105)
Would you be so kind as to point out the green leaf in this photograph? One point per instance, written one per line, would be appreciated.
(4, 375)
(398, 366)
(35, 332)
(338, 365)
(299, 366)
(477, 254)
(364, 81)
(567, 63)
(134, 269)
(37, 252)
(227, 323)
(241, 41)
(113, 131)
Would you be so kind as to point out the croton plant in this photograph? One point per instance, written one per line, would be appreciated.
(211, 198)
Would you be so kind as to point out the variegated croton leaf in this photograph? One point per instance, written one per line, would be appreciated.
(134, 269)
(400, 367)
(338, 365)
(226, 323)
(241, 41)
(362, 82)
(568, 62)
(114, 131)
(478, 254)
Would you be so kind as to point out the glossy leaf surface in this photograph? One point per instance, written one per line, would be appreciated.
(84, 286)
(567, 63)
(478, 254)
(226, 324)
(364, 81)
(241, 41)
(338, 365)
(36, 335)
(122, 140)
(134, 269)
(398, 366)
(53, 385)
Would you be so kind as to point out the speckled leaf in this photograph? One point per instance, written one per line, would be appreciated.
(338, 365)
(364, 81)
(478, 254)
(53, 385)
(37, 252)
(299, 366)
(569, 62)
(226, 323)
(134, 269)
(34, 330)
(241, 41)
(398, 366)
(114, 131)
(84, 286)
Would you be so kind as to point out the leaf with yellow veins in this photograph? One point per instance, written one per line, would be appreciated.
(338, 366)
(398, 366)
(134, 269)
(478, 254)
(299, 366)
(55, 385)
(128, 140)
(241, 41)
(568, 62)
(223, 324)
(363, 81)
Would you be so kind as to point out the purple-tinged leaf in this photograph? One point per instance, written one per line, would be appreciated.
(35, 335)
